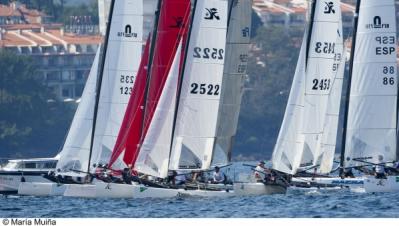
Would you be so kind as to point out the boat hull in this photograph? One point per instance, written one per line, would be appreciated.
(244, 189)
(10, 181)
(80, 190)
(325, 182)
(390, 184)
(41, 189)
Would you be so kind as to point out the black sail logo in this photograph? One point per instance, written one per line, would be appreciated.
(329, 8)
(377, 24)
(178, 22)
(127, 33)
(211, 14)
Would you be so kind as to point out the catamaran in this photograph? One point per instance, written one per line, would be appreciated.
(104, 100)
(371, 119)
(168, 139)
(315, 97)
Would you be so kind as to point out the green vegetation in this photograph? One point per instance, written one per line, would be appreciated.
(31, 122)
(270, 70)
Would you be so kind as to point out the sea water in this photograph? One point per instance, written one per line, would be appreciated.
(296, 203)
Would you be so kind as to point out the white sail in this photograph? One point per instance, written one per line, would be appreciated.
(324, 59)
(153, 158)
(328, 140)
(237, 48)
(75, 152)
(122, 59)
(286, 156)
(300, 138)
(372, 116)
(198, 107)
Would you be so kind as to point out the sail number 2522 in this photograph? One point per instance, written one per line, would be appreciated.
(205, 89)
(208, 53)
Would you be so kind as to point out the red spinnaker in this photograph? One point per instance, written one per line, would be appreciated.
(173, 24)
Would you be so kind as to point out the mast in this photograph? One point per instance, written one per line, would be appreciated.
(348, 88)
(310, 30)
(99, 83)
(180, 84)
(151, 56)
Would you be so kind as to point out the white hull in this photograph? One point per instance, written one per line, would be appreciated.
(242, 189)
(352, 183)
(9, 183)
(80, 190)
(112, 190)
(390, 184)
(41, 189)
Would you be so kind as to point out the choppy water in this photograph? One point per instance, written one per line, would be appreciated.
(293, 204)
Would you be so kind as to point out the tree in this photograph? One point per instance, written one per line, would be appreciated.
(270, 76)
(29, 122)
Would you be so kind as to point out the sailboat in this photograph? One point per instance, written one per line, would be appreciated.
(167, 96)
(370, 130)
(314, 97)
(120, 61)
(74, 154)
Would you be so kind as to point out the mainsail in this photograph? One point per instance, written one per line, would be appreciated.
(122, 57)
(237, 47)
(132, 121)
(199, 95)
(324, 61)
(75, 152)
(372, 114)
(302, 136)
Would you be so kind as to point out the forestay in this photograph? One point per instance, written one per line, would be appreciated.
(237, 47)
(122, 59)
(200, 93)
(372, 116)
(324, 59)
(75, 152)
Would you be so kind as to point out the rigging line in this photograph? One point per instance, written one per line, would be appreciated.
(99, 82)
(180, 83)
(348, 88)
(149, 66)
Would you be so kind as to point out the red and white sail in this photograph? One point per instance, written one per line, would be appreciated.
(201, 83)
(130, 131)
(153, 158)
(372, 117)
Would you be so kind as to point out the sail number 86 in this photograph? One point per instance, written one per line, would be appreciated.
(388, 70)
